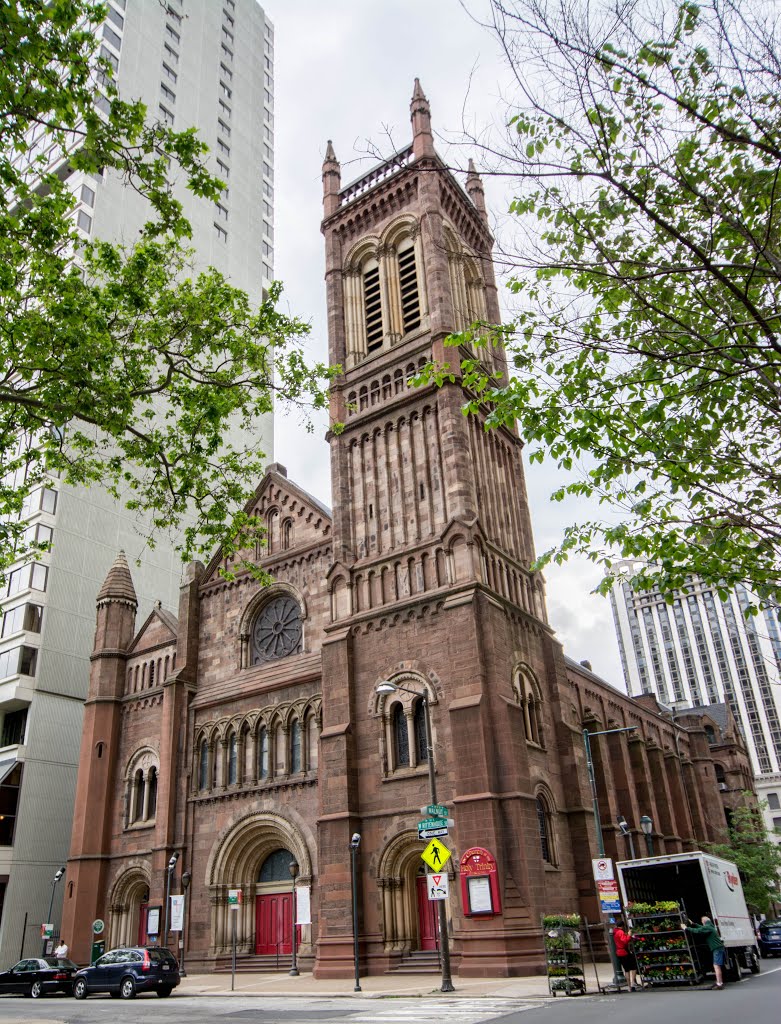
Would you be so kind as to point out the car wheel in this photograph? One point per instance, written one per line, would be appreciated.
(36, 990)
(128, 988)
(164, 992)
(754, 962)
(80, 988)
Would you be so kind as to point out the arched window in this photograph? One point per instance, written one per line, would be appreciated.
(710, 734)
(277, 630)
(276, 867)
(295, 747)
(721, 777)
(233, 760)
(421, 742)
(372, 305)
(408, 286)
(287, 534)
(263, 753)
(400, 737)
(151, 800)
(529, 697)
(138, 795)
(543, 824)
(203, 766)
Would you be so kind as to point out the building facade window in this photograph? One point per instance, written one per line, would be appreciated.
(544, 827)
(263, 753)
(277, 630)
(203, 766)
(400, 737)
(527, 692)
(295, 747)
(233, 760)
(421, 742)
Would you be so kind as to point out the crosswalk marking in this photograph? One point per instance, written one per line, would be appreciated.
(423, 1011)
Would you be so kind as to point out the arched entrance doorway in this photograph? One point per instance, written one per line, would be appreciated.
(254, 855)
(128, 909)
(273, 905)
(410, 920)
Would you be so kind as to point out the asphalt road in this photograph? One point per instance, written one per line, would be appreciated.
(754, 999)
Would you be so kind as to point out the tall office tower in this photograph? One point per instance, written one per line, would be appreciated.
(703, 650)
(202, 63)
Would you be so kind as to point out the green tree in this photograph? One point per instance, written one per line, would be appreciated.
(757, 857)
(645, 355)
(120, 367)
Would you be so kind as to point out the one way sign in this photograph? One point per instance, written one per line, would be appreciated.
(438, 886)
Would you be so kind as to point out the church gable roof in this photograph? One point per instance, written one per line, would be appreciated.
(160, 628)
(293, 519)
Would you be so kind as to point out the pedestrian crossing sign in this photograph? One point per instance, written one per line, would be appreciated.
(436, 855)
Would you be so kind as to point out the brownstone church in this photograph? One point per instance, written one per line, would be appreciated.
(249, 731)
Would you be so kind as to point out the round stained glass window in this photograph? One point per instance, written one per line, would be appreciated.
(277, 630)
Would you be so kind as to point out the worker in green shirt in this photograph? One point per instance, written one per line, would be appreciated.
(715, 945)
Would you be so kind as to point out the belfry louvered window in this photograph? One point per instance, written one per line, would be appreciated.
(372, 301)
(408, 284)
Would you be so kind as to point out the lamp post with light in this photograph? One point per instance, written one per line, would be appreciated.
(293, 868)
(626, 831)
(355, 842)
(384, 688)
(647, 825)
(169, 871)
(57, 876)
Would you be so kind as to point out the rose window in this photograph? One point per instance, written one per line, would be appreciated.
(277, 631)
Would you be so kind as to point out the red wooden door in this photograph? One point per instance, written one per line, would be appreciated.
(143, 912)
(428, 924)
(272, 924)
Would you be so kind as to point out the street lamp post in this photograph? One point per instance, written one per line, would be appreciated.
(169, 871)
(355, 842)
(186, 879)
(618, 974)
(385, 688)
(293, 868)
(57, 876)
(626, 831)
(647, 825)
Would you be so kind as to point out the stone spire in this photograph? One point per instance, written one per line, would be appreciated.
(420, 115)
(118, 584)
(332, 181)
(474, 186)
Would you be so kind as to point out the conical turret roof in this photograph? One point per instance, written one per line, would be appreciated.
(118, 584)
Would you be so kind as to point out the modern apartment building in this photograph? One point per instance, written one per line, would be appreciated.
(202, 63)
(704, 650)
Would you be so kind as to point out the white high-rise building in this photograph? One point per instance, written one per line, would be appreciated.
(701, 650)
(206, 64)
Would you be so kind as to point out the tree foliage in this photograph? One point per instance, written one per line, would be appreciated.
(646, 350)
(120, 366)
(757, 857)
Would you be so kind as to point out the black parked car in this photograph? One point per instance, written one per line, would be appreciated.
(38, 976)
(123, 972)
(770, 938)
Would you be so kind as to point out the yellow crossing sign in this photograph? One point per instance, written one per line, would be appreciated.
(436, 855)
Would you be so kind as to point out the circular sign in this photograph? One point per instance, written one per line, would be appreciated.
(97, 926)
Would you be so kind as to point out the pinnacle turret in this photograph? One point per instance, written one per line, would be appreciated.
(474, 187)
(420, 115)
(118, 584)
(332, 181)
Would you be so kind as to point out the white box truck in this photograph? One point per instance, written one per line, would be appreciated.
(704, 886)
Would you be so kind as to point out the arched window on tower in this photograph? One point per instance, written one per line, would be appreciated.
(263, 753)
(721, 777)
(529, 697)
(544, 827)
(203, 766)
(372, 305)
(151, 799)
(710, 733)
(400, 737)
(421, 742)
(295, 746)
(287, 534)
(138, 796)
(408, 286)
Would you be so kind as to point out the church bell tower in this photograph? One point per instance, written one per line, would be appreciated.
(430, 585)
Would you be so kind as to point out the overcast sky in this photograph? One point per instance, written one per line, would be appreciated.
(344, 70)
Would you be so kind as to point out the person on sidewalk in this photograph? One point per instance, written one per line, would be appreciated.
(61, 952)
(715, 945)
(622, 940)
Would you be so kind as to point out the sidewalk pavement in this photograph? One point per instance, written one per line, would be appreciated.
(377, 987)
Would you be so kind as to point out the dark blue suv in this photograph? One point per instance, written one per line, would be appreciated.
(124, 972)
(770, 938)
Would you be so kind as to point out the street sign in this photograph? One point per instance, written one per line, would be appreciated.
(603, 869)
(438, 886)
(436, 855)
(435, 811)
(97, 926)
(234, 899)
(434, 823)
(609, 902)
(432, 833)
(47, 931)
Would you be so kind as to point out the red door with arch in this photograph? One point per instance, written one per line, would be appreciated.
(272, 923)
(428, 917)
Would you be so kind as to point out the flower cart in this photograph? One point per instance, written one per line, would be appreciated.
(563, 954)
(661, 945)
